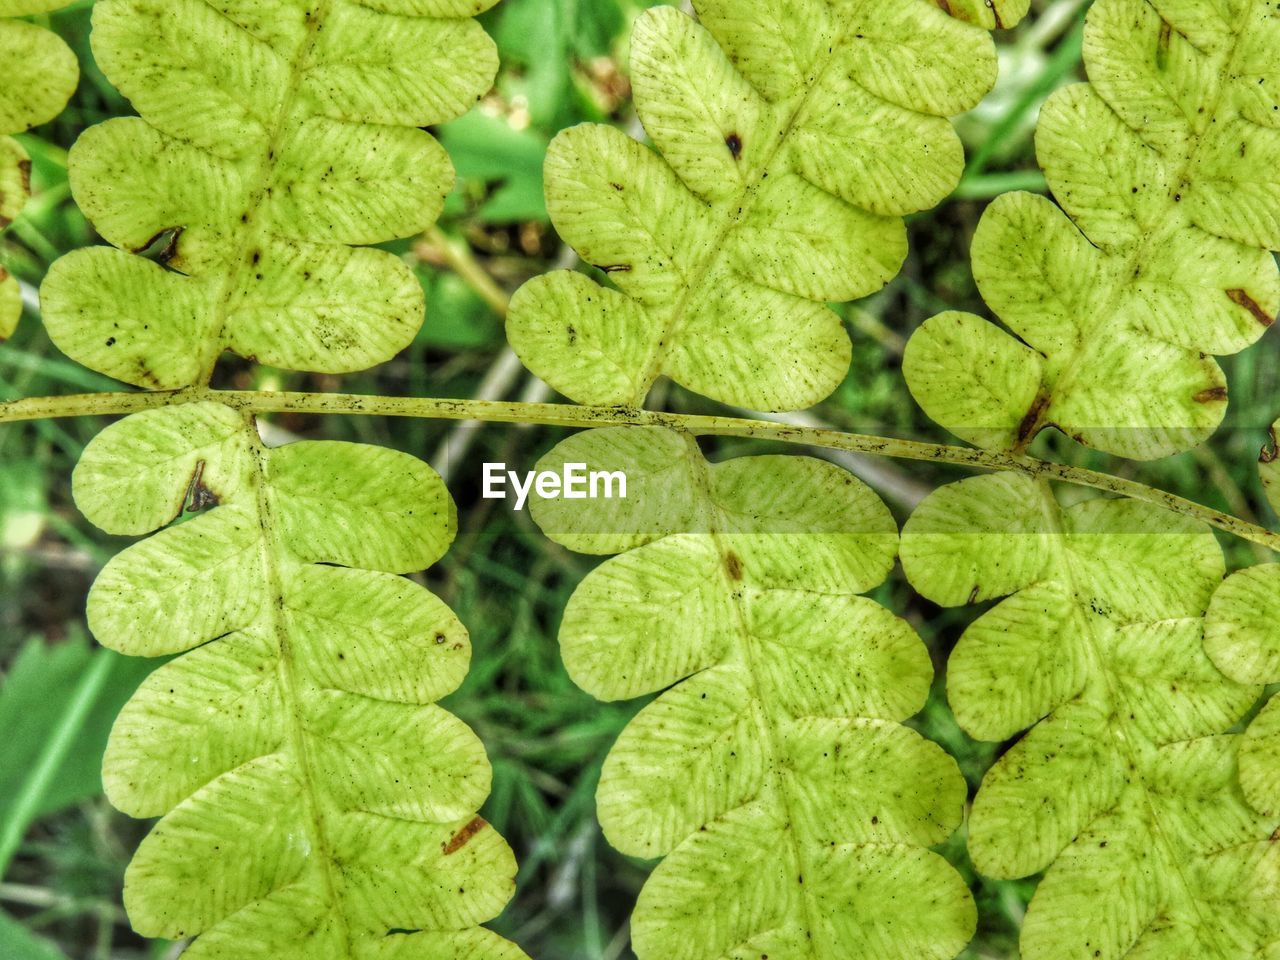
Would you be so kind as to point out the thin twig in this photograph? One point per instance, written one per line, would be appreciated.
(568, 415)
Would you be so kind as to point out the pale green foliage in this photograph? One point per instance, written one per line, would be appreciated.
(991, 14)
(1124, 788)
(1242, 636)
(38, 73)
(774, 773)
(313, 796)
(272, 136)
(793, 137)
(1166, 164)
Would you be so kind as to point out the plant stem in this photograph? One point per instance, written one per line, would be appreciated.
(569, 415)
(459, 258)
(36, 783)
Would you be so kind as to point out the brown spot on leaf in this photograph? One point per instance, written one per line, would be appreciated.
(463, 836)
(945, 7)
(1162, 48)
(1242, 299)
(199, 496)
(733, 565)
(1212, 395)
(734, 143)
(161, 247)
(1271, 451)
(1030, 424)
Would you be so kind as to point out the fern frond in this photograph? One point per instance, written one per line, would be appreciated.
(315, 802)
(1242, 636)
(794, 135)
(38, 74)
(1124, 788)
(271, 137)
(1166, 164)
(774, 772)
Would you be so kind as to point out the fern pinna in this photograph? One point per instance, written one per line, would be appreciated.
(285, 750)
(1126, 788)
(1164, 165)
(271, 137)
(794, 136)
(775, 776)
(302, 816)
(774, 772)
(38, 73)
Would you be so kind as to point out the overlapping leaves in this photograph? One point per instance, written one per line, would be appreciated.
(1124, 789)
(1242, 636)
(774, 774)
(272, 136)
(794, 135)
(38, 74)
(315, 801)
(1166, 164)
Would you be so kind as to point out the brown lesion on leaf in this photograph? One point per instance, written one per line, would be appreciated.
(733, 566)
(734, 143)
(1211, 395)
(1162, 47)
(945, 7)
(1031, 423)
(199, 496)
(1271, 451)
(162, 247)
(24, 176)
(1242, 299)
(463, 836)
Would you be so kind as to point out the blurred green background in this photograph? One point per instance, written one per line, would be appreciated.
(63, 849)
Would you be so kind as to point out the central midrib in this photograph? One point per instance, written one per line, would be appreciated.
(272, 548)
(1138, 259)
(1053, 516)
(250, 229)
(746, 650)
(737, 209)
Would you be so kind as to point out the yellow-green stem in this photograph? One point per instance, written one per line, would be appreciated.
(568, 415)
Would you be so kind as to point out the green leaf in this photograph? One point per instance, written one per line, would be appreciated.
(19, 943)
(489, 149)
(58, 703)
(774, 772)
(270, 141)
(10, 302)
(1123, 788)
(300, 816)
(38, 71)
(38, 74)
(1242, 636)
(1158, 257)
(991, 14)
(793, 135)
